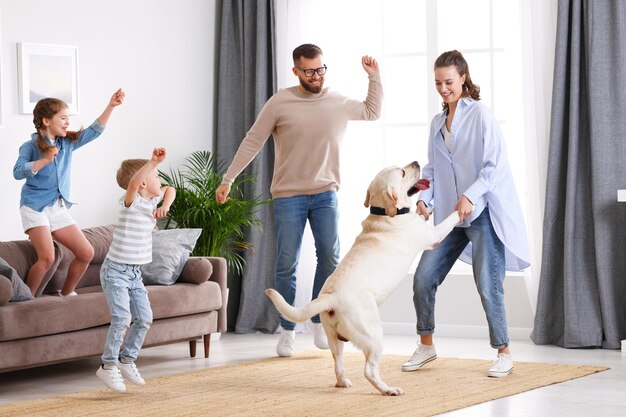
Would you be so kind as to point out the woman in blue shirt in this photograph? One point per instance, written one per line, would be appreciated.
(468, 171)
(45, 162)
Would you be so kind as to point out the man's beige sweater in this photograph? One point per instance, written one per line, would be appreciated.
(307, 130)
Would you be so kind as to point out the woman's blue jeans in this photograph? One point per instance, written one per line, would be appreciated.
(290, 217)
(128, 299)
(488, 264)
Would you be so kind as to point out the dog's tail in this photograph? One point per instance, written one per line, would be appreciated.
(299, 315)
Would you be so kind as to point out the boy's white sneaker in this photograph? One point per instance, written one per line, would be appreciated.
(72, 294)
(502, 366)
(422, 355)
(319, 336)
(286, 342)
(112, 378)
(130, 372)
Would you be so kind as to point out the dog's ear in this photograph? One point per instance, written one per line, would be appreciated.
(367, 198)
(390, 197)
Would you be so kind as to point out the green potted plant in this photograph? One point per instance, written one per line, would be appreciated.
(223, 225)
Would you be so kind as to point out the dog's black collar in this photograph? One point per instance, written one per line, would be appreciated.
(379, 211)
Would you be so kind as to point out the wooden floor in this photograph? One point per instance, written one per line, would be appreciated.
(602, 394)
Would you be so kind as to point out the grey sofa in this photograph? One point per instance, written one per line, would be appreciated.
(51, 329)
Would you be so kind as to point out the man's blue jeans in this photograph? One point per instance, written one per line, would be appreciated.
(488, 264)
(290, 216)
(127, 298)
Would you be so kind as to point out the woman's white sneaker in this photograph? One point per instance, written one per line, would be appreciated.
(502, 366)
(422, 355)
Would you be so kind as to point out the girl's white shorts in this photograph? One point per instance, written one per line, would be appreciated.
(55, 217)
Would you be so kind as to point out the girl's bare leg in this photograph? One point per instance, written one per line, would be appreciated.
(41, 239)
(74, 239)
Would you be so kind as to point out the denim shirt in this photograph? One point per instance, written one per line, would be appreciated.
(477, 167)
(45, 187)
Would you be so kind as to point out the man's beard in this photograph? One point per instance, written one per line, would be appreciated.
(310, 88)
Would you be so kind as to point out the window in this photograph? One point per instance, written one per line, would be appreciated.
(406, 36)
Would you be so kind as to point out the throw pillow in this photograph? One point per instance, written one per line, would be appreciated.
(21, 255)
(19, 289)
(6, 289)
(170, 250)
(196, 271)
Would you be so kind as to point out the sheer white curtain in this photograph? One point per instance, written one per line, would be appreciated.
(330, 25)
(289, 23)
(538, 29)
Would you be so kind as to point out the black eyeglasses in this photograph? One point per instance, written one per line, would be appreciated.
(310, 72)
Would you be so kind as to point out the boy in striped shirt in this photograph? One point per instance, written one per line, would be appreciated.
(120, 275)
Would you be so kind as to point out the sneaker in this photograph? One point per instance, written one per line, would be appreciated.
(285, 343)
(112, 378)
(502, 366)
(319, 336)
(72, 294)
(130, 372)
(422, 355)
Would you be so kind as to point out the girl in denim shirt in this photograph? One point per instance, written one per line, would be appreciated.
(45, 162)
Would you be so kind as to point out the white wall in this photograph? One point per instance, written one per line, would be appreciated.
(161, 52)
(458, 311)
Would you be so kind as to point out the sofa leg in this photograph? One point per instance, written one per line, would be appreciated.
(192, 348)
(207, 344)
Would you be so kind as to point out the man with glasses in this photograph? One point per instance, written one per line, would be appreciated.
(307, 123)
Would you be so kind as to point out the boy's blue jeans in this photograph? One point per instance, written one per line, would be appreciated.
(488, 264)
(128, 299)
(290, 216)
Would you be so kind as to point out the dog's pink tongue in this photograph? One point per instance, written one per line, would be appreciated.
(423, 184)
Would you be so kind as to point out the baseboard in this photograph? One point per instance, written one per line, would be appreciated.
(470, 332)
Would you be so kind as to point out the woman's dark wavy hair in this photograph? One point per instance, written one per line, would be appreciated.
(46, 108)
(456, 59)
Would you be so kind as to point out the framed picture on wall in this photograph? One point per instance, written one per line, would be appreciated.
(47, 71)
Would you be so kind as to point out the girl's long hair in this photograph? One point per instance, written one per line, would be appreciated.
(47, 108)
(456, 59)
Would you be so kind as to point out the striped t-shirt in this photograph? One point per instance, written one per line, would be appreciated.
(132, 238)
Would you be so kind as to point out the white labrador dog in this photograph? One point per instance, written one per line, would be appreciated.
(393, 235)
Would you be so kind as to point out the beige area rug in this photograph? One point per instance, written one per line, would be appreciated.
(304, 386)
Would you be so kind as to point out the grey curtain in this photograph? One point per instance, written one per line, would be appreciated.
(582, 290)
(246, 80)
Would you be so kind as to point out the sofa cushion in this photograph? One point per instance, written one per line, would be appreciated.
(196, 270)
(170, 250)
(183, 299)
(100, 238)
(21, 255)
(51, 314)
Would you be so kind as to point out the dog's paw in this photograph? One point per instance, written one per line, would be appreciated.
(345, 383)
(395, 391)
